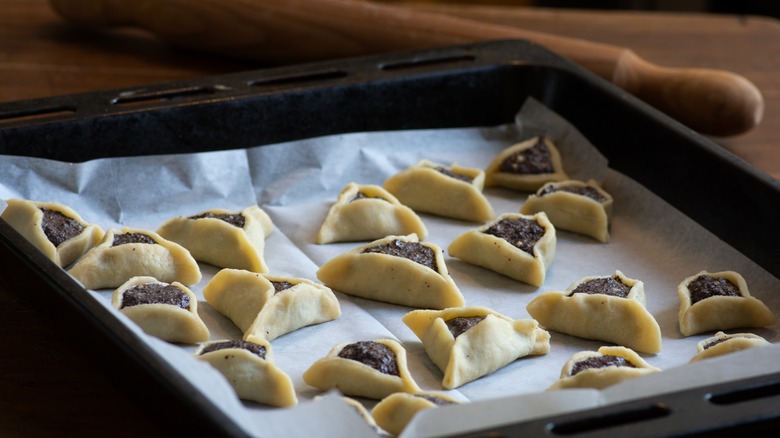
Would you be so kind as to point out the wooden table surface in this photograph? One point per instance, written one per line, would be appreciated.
(48, 387)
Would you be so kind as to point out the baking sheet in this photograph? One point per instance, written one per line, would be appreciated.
(297, 182)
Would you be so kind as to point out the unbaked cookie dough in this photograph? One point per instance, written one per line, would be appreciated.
(395, 411)
(467, 343)
(604, 308)
(249, 368)
(723, 343)
(368, 212)
(55, 229)
(267, 306)
(396, 269)
(519, 246)
(719, 301)
(454, 192)
(576, 206)
(166, 311)
(132, 252)
(602, 368)
(223, 238)
(526, 166)
(371, 369)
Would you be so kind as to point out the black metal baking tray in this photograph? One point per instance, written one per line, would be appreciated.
(474, 85)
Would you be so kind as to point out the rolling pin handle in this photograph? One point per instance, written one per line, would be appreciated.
(714, 102)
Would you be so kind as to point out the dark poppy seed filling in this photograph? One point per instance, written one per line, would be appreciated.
(460, 324)
(121, 239)
(374, 354)
(600, 362)
(155, 293)
(58, 228)
(237, 220)
(414, 251)
(608, 286)
(587, 191)
(451, 174)
(533, 160)
(361, 195)
(705, 286)
(715, 342)
(251, 347)
(522, 233)
(281, 286)
(438, 401)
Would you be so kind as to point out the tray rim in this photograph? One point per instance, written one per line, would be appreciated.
(63, 285)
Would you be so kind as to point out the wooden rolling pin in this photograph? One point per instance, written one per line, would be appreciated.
(712, 102)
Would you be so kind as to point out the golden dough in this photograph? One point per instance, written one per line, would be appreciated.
(375, 214)
(501, 255)
(622, 320)
(721, 312)
(210, 238)
(518, 166)
(27, 218)
(251, 301)
(491, 343)
(432, 188)
(393, 279)
(583, 208)
(622, 364)
(395, 411)
(357, 379)
(160, 317)
(722, 344)
(108, 265)
(253, 376)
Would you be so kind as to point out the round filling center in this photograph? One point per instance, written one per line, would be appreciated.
(374, 354)
(414, 251)
(600, 362)
(706, 286)
(522, 233)
(155, 293)
(58, 228)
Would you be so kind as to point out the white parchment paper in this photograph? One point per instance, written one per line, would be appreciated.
(297, 182)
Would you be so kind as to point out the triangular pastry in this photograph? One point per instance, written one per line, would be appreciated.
(250, 370)
(453, 192)
(371, 369)
(55, 229)
(396, 269)
(166, 311)
(602, 368)
(395, 411)
(719, 301)
(722, 343)
(368, 212)
(467, 343)
(605, 308)
(132, 252)
(526, 166)
(267, 306)
(518, 246)
(223, 238)
(583, 208)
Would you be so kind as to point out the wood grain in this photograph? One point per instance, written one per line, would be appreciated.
(48, 388)
(709, 101)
